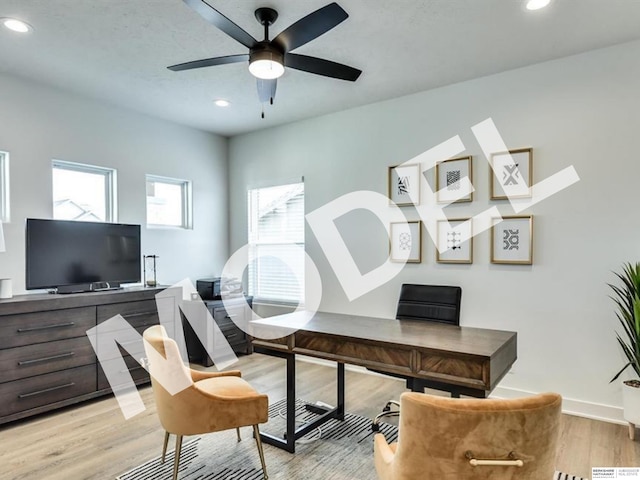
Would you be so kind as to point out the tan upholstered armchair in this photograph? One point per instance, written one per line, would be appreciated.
(190, 402)
(471, 439)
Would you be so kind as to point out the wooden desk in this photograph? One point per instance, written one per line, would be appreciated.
(473, 359)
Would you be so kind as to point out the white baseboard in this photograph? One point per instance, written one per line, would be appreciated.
(579, 408)
(570, 406)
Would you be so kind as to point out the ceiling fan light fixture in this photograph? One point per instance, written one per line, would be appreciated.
(266, 64)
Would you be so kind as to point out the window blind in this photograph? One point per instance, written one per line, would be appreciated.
(276, 233)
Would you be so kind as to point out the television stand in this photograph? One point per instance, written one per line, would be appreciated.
(46, 358)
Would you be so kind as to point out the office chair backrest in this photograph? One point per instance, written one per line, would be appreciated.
(433, 303)
(436, 433)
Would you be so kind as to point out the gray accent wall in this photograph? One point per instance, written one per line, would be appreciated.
(580, 111)
(38, 124)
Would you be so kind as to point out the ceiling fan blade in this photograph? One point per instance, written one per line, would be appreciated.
(320, 66)
(210, 62)
(216, 18)
(267, 90)
(310, 27)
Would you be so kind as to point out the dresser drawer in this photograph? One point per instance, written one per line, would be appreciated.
(46, 389)
(224, 317)
(137, 314)
(31, 360)
(137, 372)
(30, 328)
(234, 335)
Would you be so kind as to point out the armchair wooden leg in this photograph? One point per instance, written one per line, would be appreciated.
(164, 446)
(632, 431)
(176, 460)
(256, 434)
(238, 431)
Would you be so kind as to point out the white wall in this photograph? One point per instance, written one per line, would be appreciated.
(38, 124)
(580, 111)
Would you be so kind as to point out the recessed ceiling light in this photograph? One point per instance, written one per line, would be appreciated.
(222, 103)
(537, 4)
(16, 25)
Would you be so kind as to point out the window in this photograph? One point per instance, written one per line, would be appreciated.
(168, 202)
(4, 187)
(276, 231)
(83, 192)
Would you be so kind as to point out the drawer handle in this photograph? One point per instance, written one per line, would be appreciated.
(45, 359)
(232, 335)
(46, 390)
(231, 315)
(46, 327)
(139, 314)
(492, 462)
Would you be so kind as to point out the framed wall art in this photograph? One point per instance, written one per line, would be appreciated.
(406, 242)
(511, 174)
(512, 240)
(404, 184)
(452, 246)
(449, 173)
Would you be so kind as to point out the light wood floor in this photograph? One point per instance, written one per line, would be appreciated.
(94, 441)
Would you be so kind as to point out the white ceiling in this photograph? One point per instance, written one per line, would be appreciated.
(117, 51)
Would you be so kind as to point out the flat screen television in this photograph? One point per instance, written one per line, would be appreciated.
(76, 256)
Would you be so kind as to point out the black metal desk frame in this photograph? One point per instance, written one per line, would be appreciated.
(292, 434)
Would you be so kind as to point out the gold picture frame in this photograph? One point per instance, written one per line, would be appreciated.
(457, 251)
(511, 174)
(449, 174)
(405, 243)
(507, 234)
(403, 184)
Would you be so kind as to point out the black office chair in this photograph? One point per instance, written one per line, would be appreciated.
(429, 303)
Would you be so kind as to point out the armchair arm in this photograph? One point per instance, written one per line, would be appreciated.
(198, 375)
(383, 456)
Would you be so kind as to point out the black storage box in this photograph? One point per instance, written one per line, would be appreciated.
(208, 288)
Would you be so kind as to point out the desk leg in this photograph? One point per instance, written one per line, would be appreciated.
(290, 436)
(340, 406)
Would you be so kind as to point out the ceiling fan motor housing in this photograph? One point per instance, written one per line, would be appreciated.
(266, 51)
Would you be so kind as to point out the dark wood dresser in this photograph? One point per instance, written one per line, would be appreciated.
(46, 359)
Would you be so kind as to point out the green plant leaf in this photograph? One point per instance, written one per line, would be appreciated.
(626, 297)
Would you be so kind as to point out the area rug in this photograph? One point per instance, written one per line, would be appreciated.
(337, 451)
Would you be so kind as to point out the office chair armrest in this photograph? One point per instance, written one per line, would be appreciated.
(198, 375)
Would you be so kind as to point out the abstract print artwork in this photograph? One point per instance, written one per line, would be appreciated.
(453, 180)
(512, 240)
(511, 174)
(406, 242)
(404, 184)
(450, 187)
(455, 241)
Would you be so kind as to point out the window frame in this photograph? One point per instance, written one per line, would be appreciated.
(186, 198)
(5, 207)
(110, 178)
(252, 224)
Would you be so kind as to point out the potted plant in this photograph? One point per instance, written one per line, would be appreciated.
(627, 299)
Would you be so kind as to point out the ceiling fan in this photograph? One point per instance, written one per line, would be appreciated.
(268, 58)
